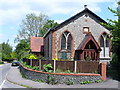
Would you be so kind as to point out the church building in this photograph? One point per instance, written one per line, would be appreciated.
(81, 37)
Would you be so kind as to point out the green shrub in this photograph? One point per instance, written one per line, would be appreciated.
(47, 68)
(1, 62)
(67, 71)
(51, 80)
(30, 56)
(41, 57)
(38, 80)
(97, 81)
(28, 66)
(86, 82)
(36, 68)
(69, 82)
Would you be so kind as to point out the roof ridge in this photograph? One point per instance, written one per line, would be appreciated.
(64, 22)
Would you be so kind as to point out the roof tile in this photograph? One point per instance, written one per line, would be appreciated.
(36, 44)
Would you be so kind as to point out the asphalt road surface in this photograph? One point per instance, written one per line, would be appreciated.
(4, 69)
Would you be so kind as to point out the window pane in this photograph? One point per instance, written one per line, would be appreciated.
(64, 55)
(90, 45)
(63, 42)
(101, 41)
(66, 33)
(69, 42)
(107, 42)
(104, 34)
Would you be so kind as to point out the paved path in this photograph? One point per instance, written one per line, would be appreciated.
(4, 69)
(15, 77)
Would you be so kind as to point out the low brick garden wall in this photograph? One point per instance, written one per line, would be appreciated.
(59, 78)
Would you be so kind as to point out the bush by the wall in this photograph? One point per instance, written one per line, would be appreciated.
(47, 68)
(30, 56)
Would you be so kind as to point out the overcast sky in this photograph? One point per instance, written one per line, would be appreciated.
(12, 12)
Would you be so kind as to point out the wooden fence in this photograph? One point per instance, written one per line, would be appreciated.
(73, 66)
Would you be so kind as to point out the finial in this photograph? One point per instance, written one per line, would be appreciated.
(85, 6)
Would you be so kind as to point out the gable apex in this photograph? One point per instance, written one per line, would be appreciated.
(86, 10)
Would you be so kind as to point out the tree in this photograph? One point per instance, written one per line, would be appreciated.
(114, 26)
(34, 25)
(49, 24)
(6, 51)
(31, 26)
(22, 48)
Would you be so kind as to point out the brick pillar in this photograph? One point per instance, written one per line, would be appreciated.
(103, 70)
(53, 45)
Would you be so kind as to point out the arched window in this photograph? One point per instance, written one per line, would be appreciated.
(63, 41)
(104, 44)
(66, 41)
(107, 41)
(69, 42)
(101, 41)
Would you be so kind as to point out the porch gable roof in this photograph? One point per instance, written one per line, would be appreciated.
(87, 38)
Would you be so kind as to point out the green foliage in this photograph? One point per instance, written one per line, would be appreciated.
(22, 48)
(114, 26)
(30, 56)
(29, 66)
(68, 71)
(118, 3)
(31, 26)
(6, 50)
(97, 81)
(115, 60)
(86, 82)
(41, 57)
(47, 68)
(69, 82)
(23, 63)
(51, 80)
(1, 62)
(49, 24)
(37, 80)
(13, 55)
(37, 68)
(0, 56)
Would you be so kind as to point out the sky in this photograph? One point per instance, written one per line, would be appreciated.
(12, 12)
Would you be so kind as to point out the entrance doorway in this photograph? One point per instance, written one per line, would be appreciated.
(88, 49)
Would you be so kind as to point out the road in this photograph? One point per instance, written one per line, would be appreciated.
(4, 69)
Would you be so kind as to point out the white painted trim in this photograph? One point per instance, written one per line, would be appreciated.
(2, 84)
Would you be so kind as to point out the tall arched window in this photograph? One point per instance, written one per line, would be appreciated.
(66, 41)
(63, 41)
(104, 44)
(101, 41)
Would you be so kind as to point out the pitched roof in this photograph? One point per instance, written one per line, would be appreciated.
(87, 38)
(73, 17)
(36, 44)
